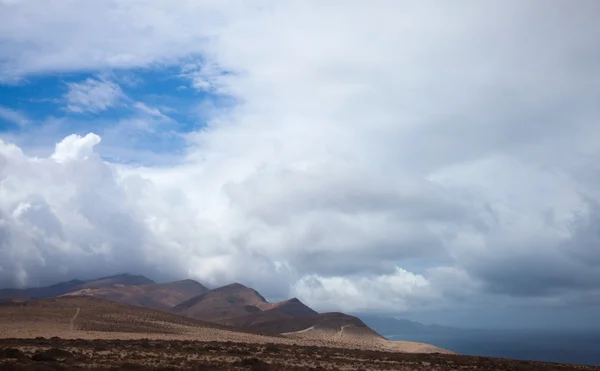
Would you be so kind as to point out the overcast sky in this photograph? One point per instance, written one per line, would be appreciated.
(426, 159)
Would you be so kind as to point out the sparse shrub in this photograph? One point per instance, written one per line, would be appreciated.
(204, 367)
(238, 352)
(272, 348)
(11, 353)
(99, 347)
(253, 364)
(132, 366)
(43, 357)
(41, 367)
(51, 355)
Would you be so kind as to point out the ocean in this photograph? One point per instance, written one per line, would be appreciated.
(576, 347)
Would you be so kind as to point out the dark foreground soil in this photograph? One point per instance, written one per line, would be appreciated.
(59, 354)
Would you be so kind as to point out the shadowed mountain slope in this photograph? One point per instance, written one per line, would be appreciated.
(330, 322)
(74, 285)
(284, 310)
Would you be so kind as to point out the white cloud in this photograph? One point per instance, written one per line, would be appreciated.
(394, 292)
(75, 147)
(152, 111)
(13, 116)
(422, 152)
(92, 95)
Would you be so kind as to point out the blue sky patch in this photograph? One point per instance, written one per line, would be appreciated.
(141, 114)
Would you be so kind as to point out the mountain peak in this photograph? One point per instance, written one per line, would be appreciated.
(186, 282)
(232, 286)
(229, 301)
(237, 289)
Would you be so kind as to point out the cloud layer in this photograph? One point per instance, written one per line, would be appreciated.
(389, 157)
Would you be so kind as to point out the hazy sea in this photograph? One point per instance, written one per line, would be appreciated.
(577, 347)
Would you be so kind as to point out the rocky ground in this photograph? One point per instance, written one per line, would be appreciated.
(77, 354)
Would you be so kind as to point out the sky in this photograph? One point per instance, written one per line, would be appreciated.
(424, 160)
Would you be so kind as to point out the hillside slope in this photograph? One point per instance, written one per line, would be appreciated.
(80, 317)
(156, 295)
(222, 304)
(325, 322)
(76, 316)
(288, 309)
(240, 306)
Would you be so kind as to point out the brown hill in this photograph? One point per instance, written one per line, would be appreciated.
(240, 306)
(97, 308)
(73, 285)
(340, 330)
(80, 317)
(292, 307)
(329, 322)
(221, 304)
(156, 295)
(284, 310)
(232, 305)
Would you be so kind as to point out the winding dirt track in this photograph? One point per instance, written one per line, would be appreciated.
(72, 321)
(341, 332)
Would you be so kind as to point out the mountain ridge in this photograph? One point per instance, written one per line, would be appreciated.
(65, 287)
(161, 296)
(235, 306)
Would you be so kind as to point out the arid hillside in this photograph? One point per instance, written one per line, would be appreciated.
(325, 322)
(82, 317)
(240, 306)
(221, 304)
(162, 296)
(133, 307)
(66, 316)
(234, 305)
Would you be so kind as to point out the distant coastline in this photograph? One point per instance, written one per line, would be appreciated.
(576, 347)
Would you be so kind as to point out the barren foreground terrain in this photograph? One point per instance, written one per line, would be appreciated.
(79, 333)
(78, 354)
